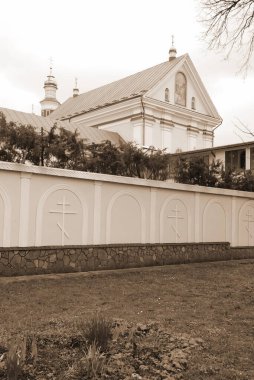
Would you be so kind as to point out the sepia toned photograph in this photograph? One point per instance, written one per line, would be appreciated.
(127, 190)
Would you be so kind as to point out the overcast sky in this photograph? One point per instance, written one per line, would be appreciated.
(99, 41)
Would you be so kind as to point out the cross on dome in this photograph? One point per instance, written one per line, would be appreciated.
(76, 90)
(172, 50)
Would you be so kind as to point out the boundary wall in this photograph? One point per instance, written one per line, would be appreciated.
(42, 206)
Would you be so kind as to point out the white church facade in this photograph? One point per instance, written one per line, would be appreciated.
(165, 106)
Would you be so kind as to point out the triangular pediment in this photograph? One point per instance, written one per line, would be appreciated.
(197, 98)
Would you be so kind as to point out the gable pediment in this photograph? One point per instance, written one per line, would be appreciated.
(183, 87)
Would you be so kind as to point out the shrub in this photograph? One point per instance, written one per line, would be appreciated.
(237, 180)
(195, 171)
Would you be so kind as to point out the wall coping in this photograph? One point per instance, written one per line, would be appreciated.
(63, 247)
(42, 170)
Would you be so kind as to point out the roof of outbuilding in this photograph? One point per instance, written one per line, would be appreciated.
(123, 89)
(88, 133)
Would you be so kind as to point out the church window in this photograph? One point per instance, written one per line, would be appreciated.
(193, 103)
(166, 95)
(180, 89)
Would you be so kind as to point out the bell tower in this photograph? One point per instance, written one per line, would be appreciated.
(49, 103)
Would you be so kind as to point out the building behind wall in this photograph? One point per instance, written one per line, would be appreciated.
(165, 106)
(234, 157)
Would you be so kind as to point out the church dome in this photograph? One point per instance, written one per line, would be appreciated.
(49, 103)
(50, 81)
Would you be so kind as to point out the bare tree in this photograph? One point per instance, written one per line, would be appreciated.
(229, 27)
(243, 129)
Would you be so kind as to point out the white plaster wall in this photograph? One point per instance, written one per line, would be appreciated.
(123, 128)
(207, 141)
(219, 155)
(192, 140)
(10, 193)
(179, 138)
(43, 206)
(166, 138)
(157, 135)
(200, 142)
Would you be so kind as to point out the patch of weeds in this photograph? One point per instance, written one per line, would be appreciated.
(91, 366)
(22, 351)
(97, 332)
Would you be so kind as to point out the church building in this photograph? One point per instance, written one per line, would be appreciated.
(165, 106)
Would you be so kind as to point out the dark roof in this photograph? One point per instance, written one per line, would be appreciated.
(126, 88)
(88, 133)
(220, 147)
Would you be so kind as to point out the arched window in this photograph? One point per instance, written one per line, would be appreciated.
(193, 103)
(166, 95)
(180, 89)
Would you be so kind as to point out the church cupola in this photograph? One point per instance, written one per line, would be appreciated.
(172, 51)
(49, 103)
(76, 90)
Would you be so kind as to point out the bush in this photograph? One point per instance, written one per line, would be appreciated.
(195, 171)
(241, 180)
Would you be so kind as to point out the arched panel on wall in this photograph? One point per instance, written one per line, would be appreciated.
(5, 219)
(61, 218)
(125, 219)
(174, 221)
(246, 224)
(214, 222)
(180, 89)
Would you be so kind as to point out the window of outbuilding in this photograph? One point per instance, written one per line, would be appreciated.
(252, 159)
(235, 160)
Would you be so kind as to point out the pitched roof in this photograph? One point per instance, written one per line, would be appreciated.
(126, 88)
(88, 133)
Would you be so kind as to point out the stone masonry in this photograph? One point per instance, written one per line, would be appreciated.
(38, 260)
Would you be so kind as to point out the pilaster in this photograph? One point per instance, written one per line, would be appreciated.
(153, 196)
(97, 213)
(25, 180)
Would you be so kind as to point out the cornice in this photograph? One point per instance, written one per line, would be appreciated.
(167, 123)
(177, 110)
(113, 114)
(106, 108)
(207, 133)
(146, 117)
(193, 129)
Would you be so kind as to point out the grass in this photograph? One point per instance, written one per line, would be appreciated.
(212, 301)
(97, 332)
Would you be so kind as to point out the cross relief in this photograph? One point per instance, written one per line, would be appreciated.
(248, 223)
(176, 217)
(63, 211)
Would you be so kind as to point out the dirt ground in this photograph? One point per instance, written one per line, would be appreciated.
(211, 301)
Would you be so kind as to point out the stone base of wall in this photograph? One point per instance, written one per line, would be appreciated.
(38, 260)
(238, 253)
